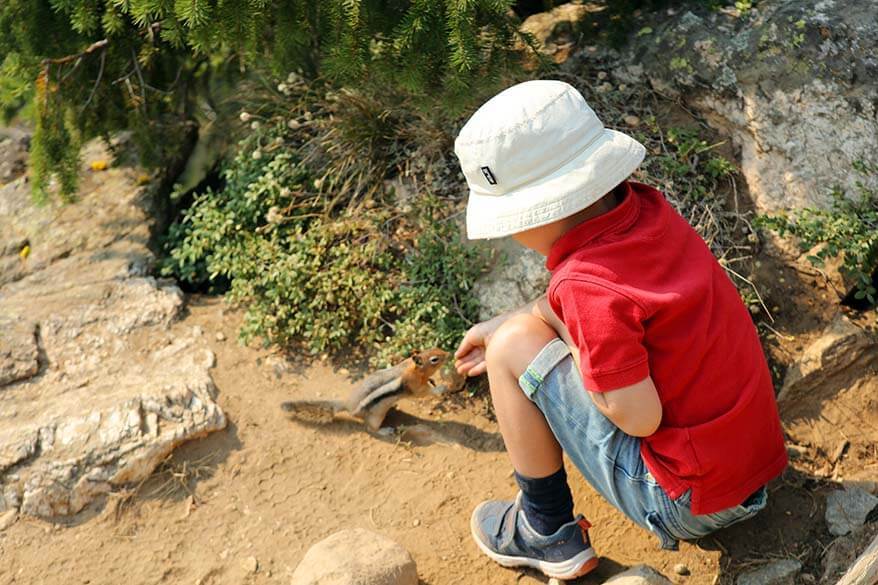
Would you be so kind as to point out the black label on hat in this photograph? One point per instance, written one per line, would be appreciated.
(489, 176)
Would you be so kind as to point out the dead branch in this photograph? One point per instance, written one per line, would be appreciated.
(91, 49)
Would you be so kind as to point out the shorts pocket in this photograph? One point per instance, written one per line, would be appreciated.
(657, 526)
(741, 512)
(704, 524)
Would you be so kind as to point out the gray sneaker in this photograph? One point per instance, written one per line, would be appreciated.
(502, 531)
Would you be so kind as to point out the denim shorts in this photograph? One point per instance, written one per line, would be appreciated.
(610, 460)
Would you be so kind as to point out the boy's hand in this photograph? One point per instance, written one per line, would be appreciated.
(470, 355)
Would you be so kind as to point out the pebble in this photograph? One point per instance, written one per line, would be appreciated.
(681, 569)
(604, 87)
(602, 75)
(220, 336)
(632, 120)
(250, 564)
(416, 523)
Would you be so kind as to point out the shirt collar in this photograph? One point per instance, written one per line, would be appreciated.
(617, 219)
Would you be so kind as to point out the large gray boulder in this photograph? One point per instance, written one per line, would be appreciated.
(95, 390)
(356, 557)
(795, 85)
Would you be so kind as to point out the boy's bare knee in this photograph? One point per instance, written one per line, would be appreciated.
(517, 342)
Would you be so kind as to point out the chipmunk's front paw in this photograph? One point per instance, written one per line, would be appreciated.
(386, 431)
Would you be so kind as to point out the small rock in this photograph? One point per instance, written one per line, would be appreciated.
(356, 556)
(8, 518)
(681, 569)
(638, 575)
(602, 75)
(220, 336)
(604, 87)
(632, 120)
(416, 523)
(775, 573)
(847, 509)
(250, 564)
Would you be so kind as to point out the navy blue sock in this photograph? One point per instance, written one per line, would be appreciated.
(546, 501)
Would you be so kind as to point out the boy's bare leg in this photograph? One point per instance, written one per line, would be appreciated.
(529, 440)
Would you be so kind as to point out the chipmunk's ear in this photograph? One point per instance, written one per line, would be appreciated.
(416, 357)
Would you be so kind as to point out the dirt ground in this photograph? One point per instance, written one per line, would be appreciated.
(268, 488)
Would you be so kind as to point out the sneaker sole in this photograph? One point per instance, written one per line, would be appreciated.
(577, 566)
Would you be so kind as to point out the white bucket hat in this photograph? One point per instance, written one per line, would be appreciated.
(536, 153)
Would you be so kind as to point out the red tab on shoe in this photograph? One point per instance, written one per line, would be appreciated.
(584, 525)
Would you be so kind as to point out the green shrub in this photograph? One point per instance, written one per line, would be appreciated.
(321, 261)
(849, 227)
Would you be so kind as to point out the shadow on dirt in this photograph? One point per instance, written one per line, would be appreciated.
(408, 428)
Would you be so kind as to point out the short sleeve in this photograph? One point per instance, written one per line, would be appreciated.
(607, 327)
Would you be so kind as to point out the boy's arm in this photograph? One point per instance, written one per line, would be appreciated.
(635, 409)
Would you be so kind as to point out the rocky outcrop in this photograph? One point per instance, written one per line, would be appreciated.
(843, 551)
(841, 353)
(94, 389)
(18, 350)
(518, 277)
(795, 84)
(356, 557)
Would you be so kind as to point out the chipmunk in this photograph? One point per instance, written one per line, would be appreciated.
(372, 398)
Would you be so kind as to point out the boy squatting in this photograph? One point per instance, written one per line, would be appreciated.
(640, 361)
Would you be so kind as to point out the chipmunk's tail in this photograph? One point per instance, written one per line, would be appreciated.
(313, 411)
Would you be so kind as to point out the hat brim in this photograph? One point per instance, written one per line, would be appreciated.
(571, 188)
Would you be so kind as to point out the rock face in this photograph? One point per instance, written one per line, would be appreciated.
(518, 277)
(795, 84)
(94, 390)
(775, 573)
(847, 509)
(842, 349)
(18, 350)
(356, 557)
(638, 575)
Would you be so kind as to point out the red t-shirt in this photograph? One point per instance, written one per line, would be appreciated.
(642, 295)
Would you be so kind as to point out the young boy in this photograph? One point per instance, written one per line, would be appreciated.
(640, 361)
